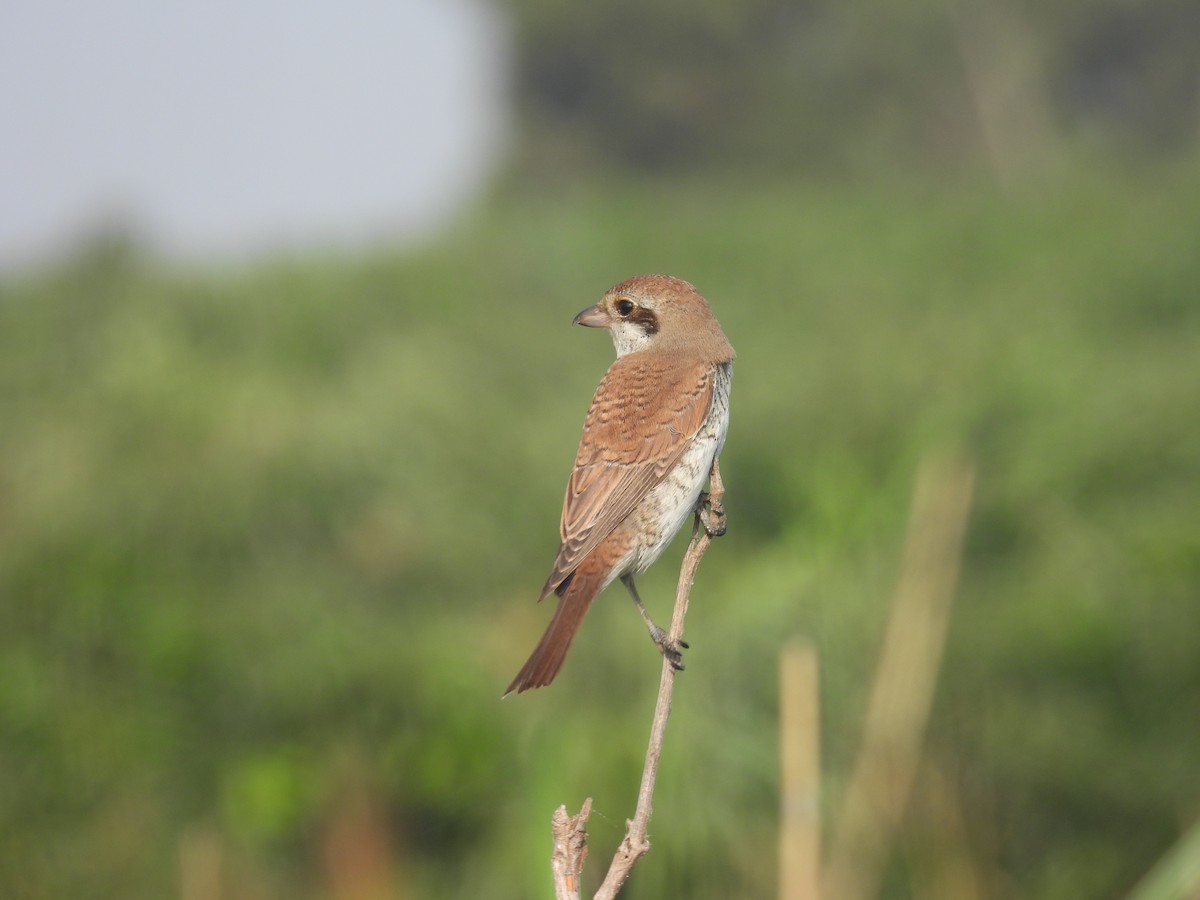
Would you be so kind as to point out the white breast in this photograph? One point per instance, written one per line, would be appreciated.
(672, 502)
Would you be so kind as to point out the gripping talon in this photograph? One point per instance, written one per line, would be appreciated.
(672, 650)
(713, 520)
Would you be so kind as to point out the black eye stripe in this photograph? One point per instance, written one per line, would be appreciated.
(646, 319)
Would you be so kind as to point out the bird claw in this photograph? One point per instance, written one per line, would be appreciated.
(671, 650)
(712, 517)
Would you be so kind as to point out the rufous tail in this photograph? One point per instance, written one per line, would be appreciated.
(575, 596)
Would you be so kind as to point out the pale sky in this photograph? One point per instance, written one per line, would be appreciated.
(228, 128)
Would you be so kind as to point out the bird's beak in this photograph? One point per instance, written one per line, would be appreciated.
(592, 317)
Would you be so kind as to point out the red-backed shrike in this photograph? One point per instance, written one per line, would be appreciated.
(651, 436)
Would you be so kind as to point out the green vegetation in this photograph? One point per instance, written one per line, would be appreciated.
(270, 542)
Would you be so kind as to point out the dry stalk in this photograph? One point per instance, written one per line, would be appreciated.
(905, 679)
(799, 773)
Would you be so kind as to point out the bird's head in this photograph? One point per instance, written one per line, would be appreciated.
(660, 313)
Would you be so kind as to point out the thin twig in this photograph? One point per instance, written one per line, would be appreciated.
(709, 523)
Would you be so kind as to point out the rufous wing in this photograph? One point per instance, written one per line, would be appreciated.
(645, 413)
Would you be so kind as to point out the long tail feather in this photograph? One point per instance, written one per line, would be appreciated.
(576, 593)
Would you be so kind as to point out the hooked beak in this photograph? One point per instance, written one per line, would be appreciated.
(592, 317)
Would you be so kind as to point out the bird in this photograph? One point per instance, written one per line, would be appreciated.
(651, 437)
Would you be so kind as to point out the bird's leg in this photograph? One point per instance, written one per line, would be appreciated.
(672, 650)
(710, 508)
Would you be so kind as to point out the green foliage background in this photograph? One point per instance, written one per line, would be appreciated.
(270, 537)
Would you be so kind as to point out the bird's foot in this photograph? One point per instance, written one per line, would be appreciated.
(712, 515)
(671, 650)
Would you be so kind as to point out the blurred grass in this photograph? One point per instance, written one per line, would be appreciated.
(266, 532)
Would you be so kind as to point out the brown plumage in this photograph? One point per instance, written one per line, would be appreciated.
(656, 423)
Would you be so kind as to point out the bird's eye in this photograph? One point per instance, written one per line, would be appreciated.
(624, 307)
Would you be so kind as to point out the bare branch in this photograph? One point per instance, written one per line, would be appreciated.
(570, 850)
(709, 523)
